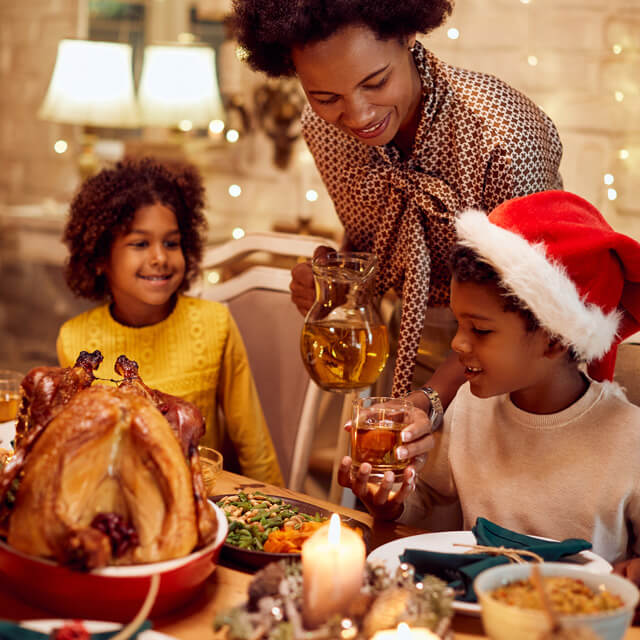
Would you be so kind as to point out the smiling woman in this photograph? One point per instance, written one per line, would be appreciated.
(403, 142)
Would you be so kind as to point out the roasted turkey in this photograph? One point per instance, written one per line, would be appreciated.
(106, 475)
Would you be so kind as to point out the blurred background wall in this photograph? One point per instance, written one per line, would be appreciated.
(578, 59)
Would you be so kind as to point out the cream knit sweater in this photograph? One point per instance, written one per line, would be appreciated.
(572, 474)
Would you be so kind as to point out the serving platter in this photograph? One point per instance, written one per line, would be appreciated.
(447, 541)
(258, 559)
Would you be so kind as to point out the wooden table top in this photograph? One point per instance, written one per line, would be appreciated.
(227, 586)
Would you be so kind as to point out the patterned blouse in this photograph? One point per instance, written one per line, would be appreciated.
(479, 142)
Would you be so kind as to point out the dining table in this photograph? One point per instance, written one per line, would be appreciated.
(227, 585)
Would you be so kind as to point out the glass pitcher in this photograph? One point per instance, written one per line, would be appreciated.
(344, 341)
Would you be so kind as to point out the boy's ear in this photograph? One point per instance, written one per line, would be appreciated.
(555, 348)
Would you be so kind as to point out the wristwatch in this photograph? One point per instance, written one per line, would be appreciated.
(437, 412)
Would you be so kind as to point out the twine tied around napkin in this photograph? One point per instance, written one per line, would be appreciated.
(514, 555)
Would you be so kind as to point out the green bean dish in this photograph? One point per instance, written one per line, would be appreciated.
(253, 516)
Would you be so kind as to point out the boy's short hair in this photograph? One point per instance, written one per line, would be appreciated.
(105, 206)
(467, 266)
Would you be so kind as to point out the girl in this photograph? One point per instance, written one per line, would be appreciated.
(135, 240)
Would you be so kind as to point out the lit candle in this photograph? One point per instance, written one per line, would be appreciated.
(405, 632)
(332, 571)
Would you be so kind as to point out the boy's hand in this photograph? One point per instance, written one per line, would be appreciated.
(630, 569)
(381, 502)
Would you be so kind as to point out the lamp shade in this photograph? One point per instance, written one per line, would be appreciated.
(92, 84)
(178, 82)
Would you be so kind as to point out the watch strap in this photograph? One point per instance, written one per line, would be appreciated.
(437, 412)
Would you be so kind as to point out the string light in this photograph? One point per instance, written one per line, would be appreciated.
(237, 233)
(311, 195)
(185, 125)
(532, 60)
(623, 154)
(216, 126)
(612, 194)
(232, 135)
(234, 190)
(608, 178)
(617, 49)
(60, 146)
(525, 1)
(619, 96)
(453, 33)
(213, 277)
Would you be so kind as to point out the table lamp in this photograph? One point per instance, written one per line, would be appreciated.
(178, 87)
(92, 86)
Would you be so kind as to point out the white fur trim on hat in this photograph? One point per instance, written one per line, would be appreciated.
(543, 284)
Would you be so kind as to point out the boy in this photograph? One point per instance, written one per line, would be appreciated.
(531, 441)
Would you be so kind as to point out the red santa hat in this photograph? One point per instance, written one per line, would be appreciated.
(579, 277)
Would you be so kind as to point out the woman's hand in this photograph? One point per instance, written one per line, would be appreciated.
(302, 287)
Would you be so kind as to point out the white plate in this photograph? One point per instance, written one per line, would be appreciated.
(443, 542)
(92, 626)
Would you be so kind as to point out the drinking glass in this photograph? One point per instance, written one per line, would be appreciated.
(376, 425)
(9, 402)
(211, 466)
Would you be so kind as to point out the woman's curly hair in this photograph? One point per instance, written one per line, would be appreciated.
(104, 209)
(269, 29)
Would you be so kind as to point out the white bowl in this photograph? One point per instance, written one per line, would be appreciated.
(507, 622)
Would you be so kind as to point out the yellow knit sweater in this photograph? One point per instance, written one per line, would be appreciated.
(197, 354)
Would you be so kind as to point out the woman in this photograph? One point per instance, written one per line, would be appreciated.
(403, 142)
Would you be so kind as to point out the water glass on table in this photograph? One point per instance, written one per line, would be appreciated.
(376, 426)
(9, 400)
(211, 465)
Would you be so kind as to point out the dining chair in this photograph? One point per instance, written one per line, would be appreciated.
(259, 301)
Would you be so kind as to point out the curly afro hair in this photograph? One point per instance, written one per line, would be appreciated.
(104, 209)
(269, 29)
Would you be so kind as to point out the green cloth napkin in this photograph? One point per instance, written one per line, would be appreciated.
(13, 631)
(460, 569)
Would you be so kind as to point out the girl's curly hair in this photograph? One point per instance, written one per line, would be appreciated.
(269, 29)
(105, 206)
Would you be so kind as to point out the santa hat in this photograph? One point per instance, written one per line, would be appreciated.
(579, 277)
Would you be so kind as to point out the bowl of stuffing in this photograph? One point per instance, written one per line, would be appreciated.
(585, 605)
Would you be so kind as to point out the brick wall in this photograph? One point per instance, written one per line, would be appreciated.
(30, 170)
(575, 80)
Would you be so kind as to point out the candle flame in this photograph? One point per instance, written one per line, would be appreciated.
(334, 529)
(403, 631)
